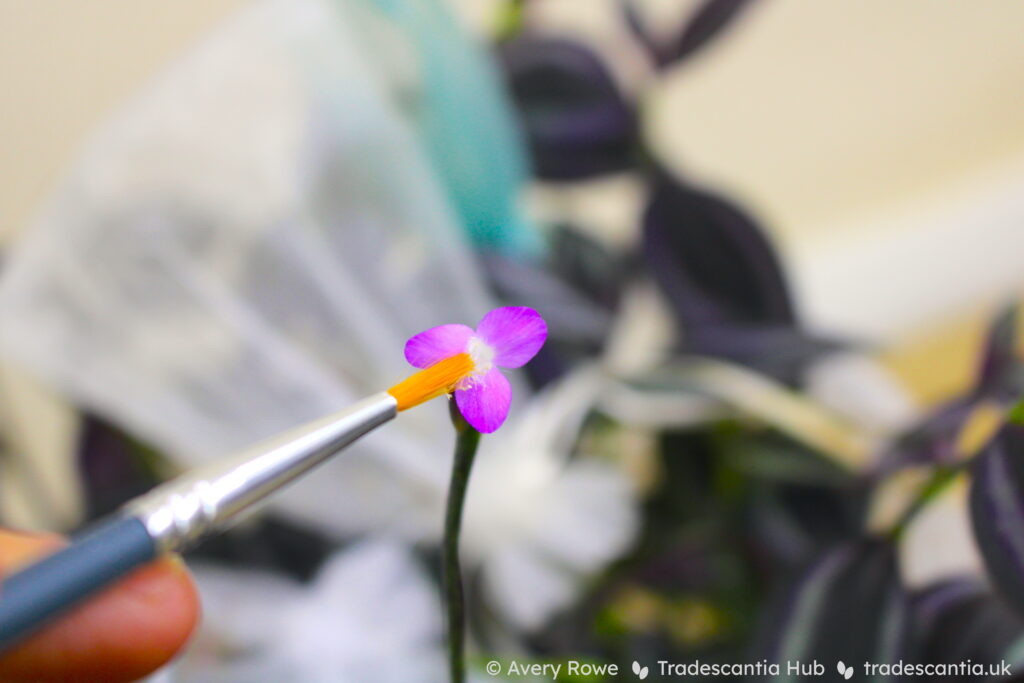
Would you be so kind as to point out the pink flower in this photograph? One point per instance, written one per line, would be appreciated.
(506, 338)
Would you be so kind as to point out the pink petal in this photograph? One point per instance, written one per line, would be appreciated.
(436, 344)
(485, 402)
(515, 332)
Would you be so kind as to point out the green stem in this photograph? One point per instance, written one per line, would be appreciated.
(466, 441)
(942, 476)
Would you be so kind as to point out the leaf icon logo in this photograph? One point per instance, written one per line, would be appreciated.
(640, 671)
(845, 671)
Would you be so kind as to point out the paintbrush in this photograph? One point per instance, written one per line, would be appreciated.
(200, 503)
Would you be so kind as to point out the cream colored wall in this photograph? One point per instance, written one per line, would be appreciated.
(64, 64)
(823, 112)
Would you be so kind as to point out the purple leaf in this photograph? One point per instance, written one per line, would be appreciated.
(724, 280)
(999, 370)
(1000, 377)
(932, 440)
(997, 512)
(713, 261)
(959, 620)
(576, 120)
(705, 24)
(849, 605)
(780, 351)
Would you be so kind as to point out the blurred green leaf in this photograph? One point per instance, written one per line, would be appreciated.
(1016, 414)
(783, 462)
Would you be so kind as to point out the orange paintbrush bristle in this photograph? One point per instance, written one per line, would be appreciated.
(439, 378)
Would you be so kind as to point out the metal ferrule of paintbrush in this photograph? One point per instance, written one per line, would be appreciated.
(206, 500)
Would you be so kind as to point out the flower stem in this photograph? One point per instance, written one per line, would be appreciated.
(466, 441)
(941, 477)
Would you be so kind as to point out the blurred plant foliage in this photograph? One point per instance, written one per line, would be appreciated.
(758, 538)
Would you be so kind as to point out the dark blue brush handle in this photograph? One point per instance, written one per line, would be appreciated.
(94, 559)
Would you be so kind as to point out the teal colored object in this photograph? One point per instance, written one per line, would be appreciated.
(467, 126)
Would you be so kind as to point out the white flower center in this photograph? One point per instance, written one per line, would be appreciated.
(482, 354)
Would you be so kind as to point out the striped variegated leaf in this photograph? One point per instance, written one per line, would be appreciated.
(848, 606)
(960, 620)
(997, 511)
